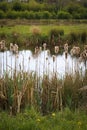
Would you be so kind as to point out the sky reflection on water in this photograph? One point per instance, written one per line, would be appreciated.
(41, 64)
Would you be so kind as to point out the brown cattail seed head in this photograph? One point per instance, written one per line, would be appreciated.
(66, 47)
(56, 49)
(44, 46)
(36, 50)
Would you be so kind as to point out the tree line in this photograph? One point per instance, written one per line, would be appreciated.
(43, 10)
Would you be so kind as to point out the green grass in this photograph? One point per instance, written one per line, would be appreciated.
(32, 120)
(45, 29)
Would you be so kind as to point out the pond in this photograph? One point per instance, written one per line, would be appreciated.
(42, 64)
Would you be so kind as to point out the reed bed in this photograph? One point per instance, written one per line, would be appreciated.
(45, 93)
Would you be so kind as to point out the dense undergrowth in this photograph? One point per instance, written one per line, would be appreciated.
(32, 36)
(32, 120)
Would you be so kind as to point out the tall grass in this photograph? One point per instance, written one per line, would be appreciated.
(52, 94)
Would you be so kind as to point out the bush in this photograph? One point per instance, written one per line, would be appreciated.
(55, 32)
(64, 15)
(2, 14)
(24, 14)
(46, 14)
(73, 37)
(13, 14)
(17, 6)
(76, 15)
(4, 6)
(38, 15)
(83, 37)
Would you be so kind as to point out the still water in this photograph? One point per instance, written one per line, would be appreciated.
(42, 63)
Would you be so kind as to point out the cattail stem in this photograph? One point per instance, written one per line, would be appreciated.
(6, 62)
(3, 64)
(11, 65)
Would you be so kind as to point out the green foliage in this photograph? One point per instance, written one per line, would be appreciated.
(56, 32)
(64, 15)
(2, 14)
(84, 37)
(17, 6)
(12, 14)
(48, 10)
(78, 37)
(4, 6)
(46, 15)
(62, 120)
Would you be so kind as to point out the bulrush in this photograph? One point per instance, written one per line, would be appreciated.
(85, 47)
(11, 47)
(14, 48)
(2, 46)
(56, 49)
(44, 46)
(83, 55)
(40, 49)
(54, 58)
(48, 52)
(36, 50)
(75, 51)
(66, 49)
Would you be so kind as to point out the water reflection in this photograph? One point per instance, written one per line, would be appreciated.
(41, 63)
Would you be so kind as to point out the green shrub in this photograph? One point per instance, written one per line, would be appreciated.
(76, 15)
(46, 14)
(55, 32)
(12, 14)
(24, 14)
(73, 37)
(17, 6)
(64, 15)
(38, 15)
(2, 14)
(4, 6)
(84, 37)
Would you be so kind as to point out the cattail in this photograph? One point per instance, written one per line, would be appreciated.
(46, 64)
(44, 46)
(75, 51)
(56, 49)
(66, 50)
(84, 54)
(46, 58)
(66, 47)
(40, 49)
(48, 52)
(54, 58)
(36, 50)
(11, 47)
(85, 47)
(29, 64)
(16, 49)
(2, 45)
